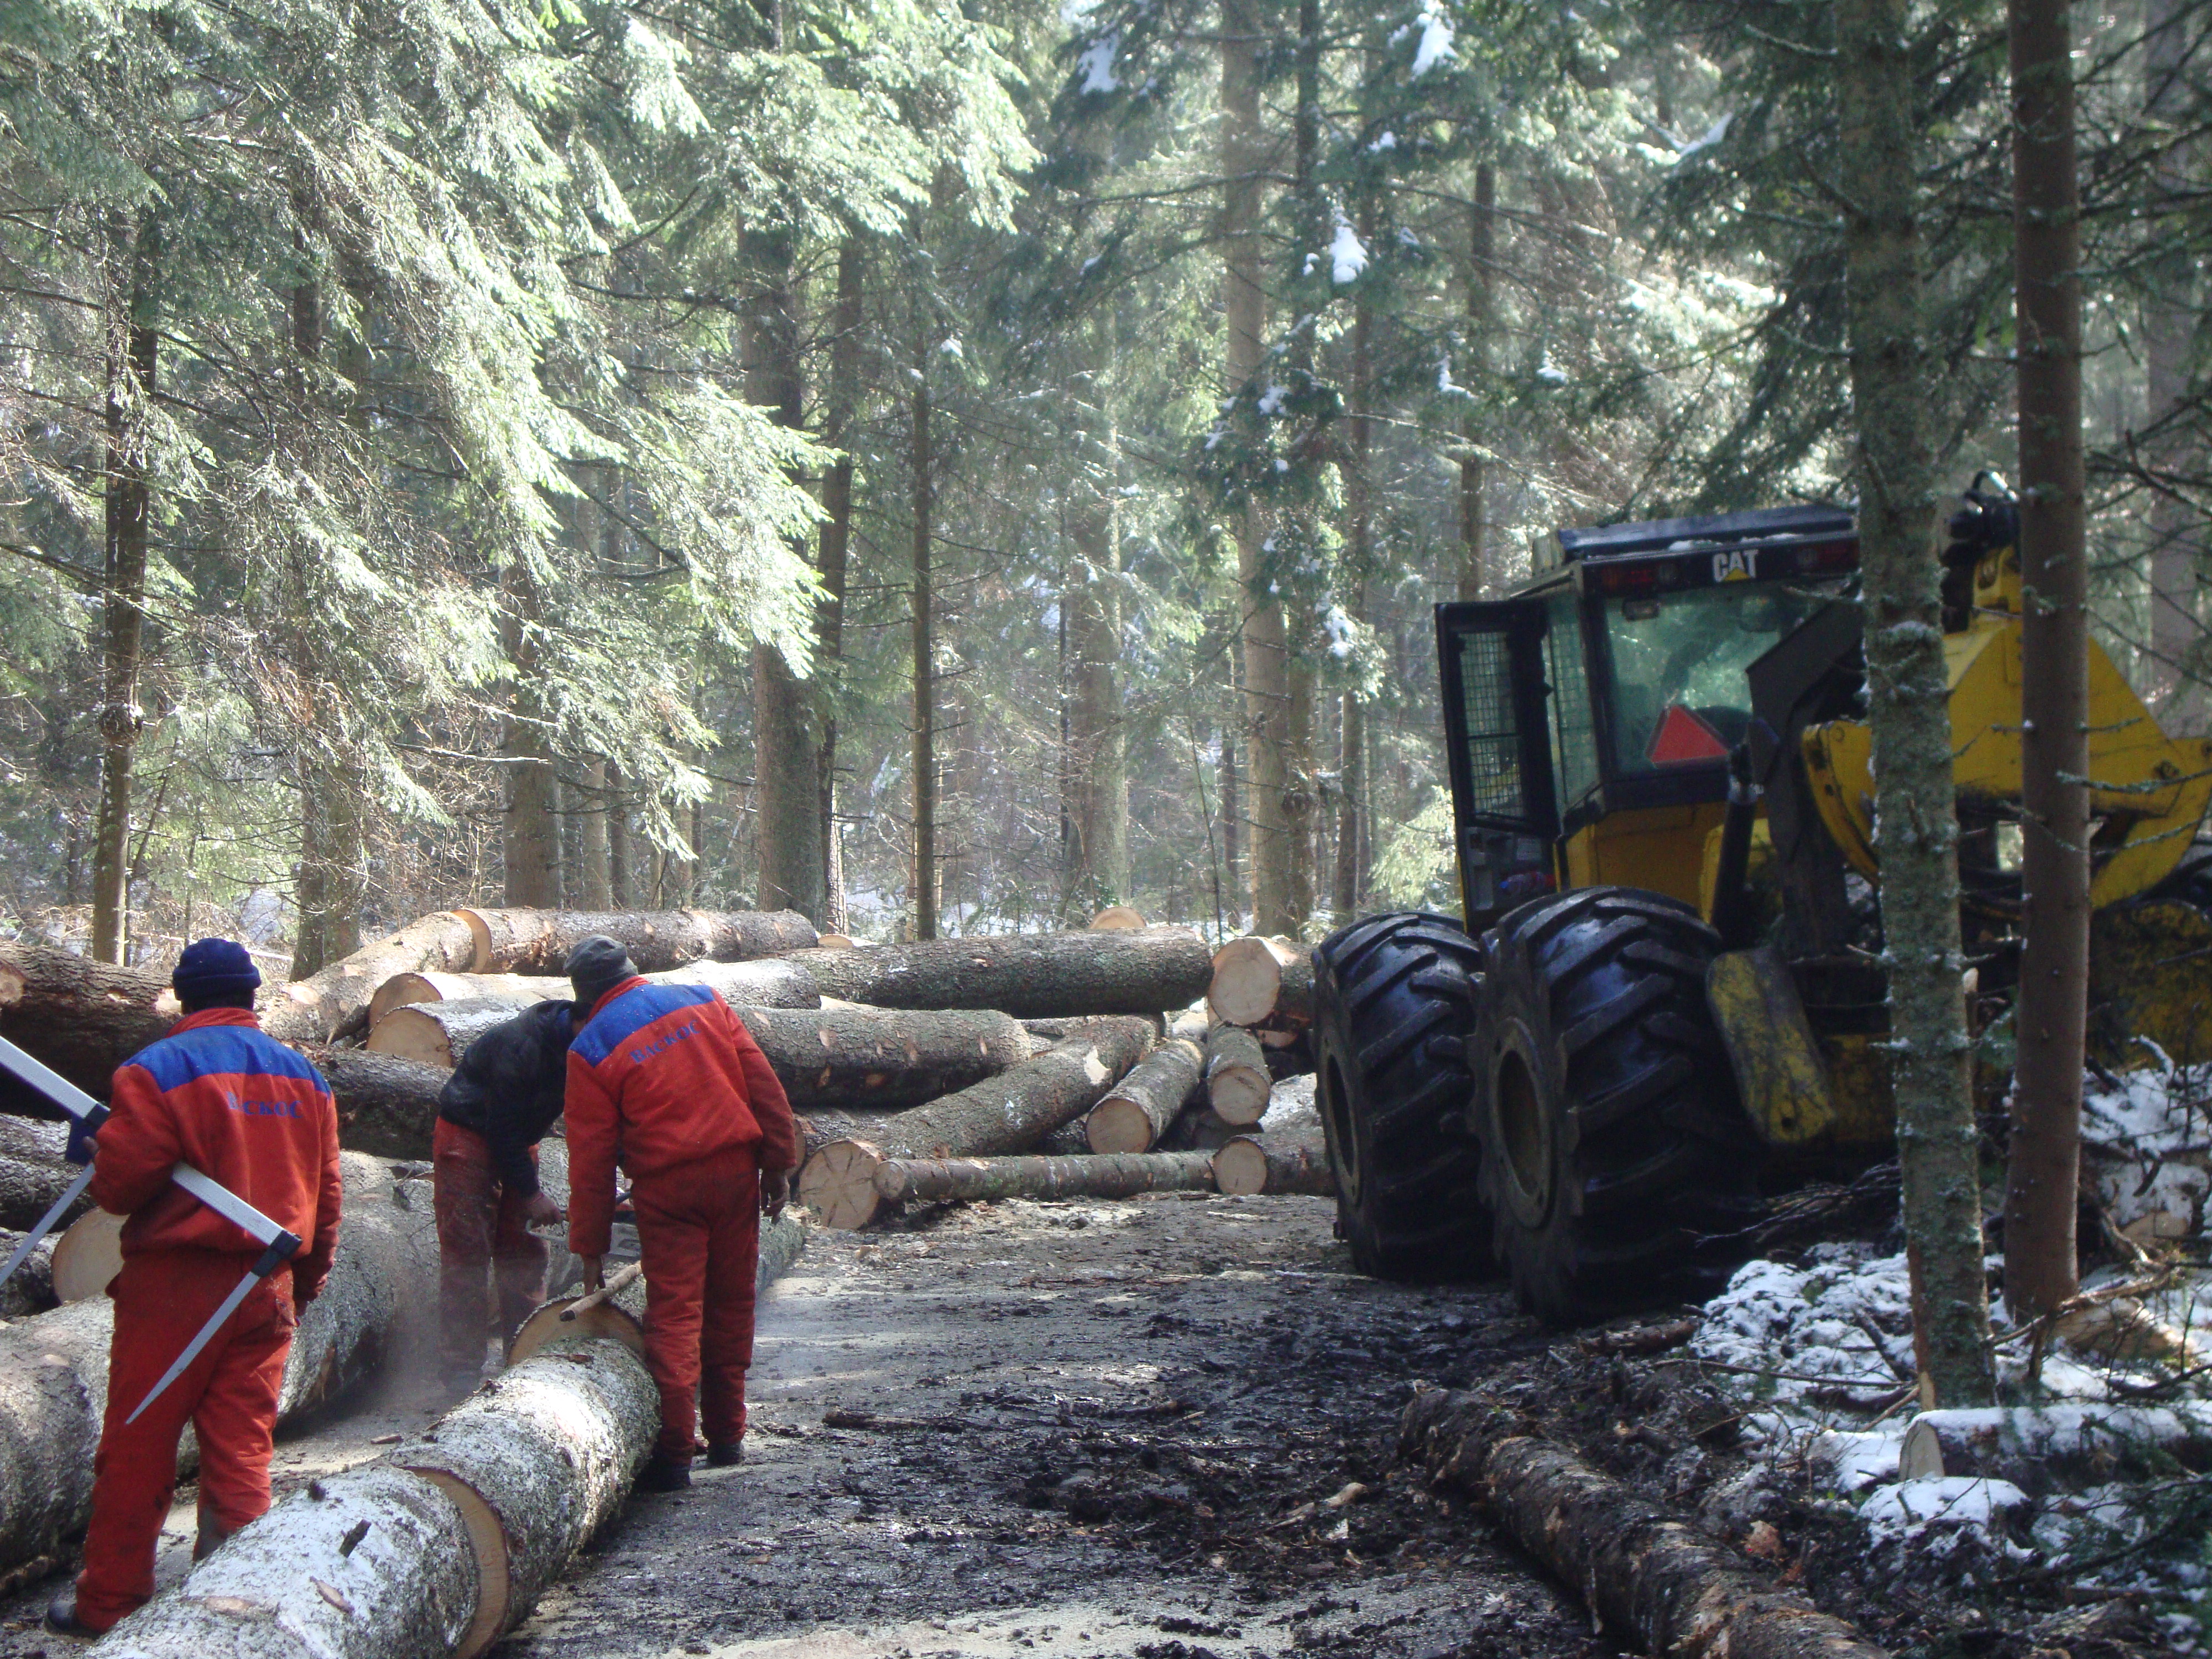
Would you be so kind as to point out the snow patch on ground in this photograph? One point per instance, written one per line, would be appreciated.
(2147, 1145)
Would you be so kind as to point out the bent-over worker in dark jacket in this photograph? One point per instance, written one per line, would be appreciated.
(493, 1110)
(666, 1081)
(254, 1115)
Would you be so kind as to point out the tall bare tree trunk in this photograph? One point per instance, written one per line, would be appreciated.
(1350, 882)
(2040, 1271)
(786, 758)
(1260, 624)
(134, 260)
(1473, 472)
(2169, 325)
(1890, 390)
(925, 871)
(622, 861)
(1232, 801)
(532, 837)
(843, 406)
(594, 884)
(1095, 868)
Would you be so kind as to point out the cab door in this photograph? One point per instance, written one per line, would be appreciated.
(1505, 802)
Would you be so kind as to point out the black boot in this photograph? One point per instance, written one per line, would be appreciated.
(213, 1536)
(727, 1455)
(62, 1620)
(664, 1474)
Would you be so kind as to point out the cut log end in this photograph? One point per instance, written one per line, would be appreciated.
(1118, 1124)
(88, 1257)
(839, 1184)
(1247, 1167)
(600, 1319)
(1118, 918)
(494, 1590)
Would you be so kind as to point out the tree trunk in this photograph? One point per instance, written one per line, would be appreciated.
(595, 879)
(81, 1017)
(622, 857)
(1350, 876)
(337, 998)
(288, 1584)
(1139, 1109)
(1473, 472)
(440, 1033)
(387, 1108)
(925, 871)
(1253, 1165)
(333, 881)
(1095, 855)
(1238, 1081)
(880, 1060)
(771, 982)
(1029, 976)
(1261, 982)
(2169, 330)
(34, 1174)
(1119, 1175)
(1663, 1586)
(538, 1464)
(2053, 1009)
(842, 409)
(786, 778)
(1007, 1113)
(539, 941)
(2049, 1450)
(531, 841)
(134, 260)
(1892, 393)
(1232, 808)
(1259, 622)
(53, 1368)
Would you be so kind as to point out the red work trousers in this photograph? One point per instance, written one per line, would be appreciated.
(699, 1228)
(228, 1394)
(480, 1226)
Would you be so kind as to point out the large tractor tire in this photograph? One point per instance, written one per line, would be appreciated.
(1611, 1132)
(1395, 1005)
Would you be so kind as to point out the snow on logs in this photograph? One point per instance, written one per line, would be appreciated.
(770, 982)
(515, 941)
(1261, 982)
(1252, 1166)
(1029, 976)
(1006, 1113)
(1111, 1175)
(1659, 1584)
(2059, 1447)
(53, 1368)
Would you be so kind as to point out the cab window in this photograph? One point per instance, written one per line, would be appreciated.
(1680, 697)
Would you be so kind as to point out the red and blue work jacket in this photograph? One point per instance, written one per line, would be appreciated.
(238, 1106)
(660, 1077)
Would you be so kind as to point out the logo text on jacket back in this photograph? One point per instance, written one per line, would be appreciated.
(639, 1056)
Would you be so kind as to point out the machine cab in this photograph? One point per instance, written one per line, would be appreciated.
(1589, 717)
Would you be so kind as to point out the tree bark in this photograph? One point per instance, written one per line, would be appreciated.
(1891, 392)
(538, 941)
(1121, 1174)
(537, 1464)
(32, 1175)
(51, 1407)
(2053, 1449)
(81, 1017)
(440, 1033)
(838, 416)
(1253, 1165)
(1029, 976)
(1473, 472)
(1660, 1584)
(595, 880)
(2051, 1012)
(531, 839)
(1349, 878)
(771, 982)
(337, 998)
(2169, 329)
(134, 264)
(1237, 1080)
(1095, 855)
(1232, 813)
(877, 1060)
(1139, 1109)
(926, 872)
(623, 872)
(1007, 1113)
(1259, 981)
(288, 1584)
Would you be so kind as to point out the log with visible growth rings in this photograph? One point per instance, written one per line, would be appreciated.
(440, 1033)
(1029, 976)
(1138, 1110)
(539, 941)
(1250, 1166)
(335, 1001)
(1008, 1114)
(1113, 1175)
(1263, 982)
(1238, 1081)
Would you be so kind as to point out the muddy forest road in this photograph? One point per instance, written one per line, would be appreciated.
(1094, 1429)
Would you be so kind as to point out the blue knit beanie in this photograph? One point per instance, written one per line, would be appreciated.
(212, 969)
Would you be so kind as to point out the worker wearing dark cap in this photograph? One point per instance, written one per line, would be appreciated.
(666, 1080)
(498, 1104)
(240, 1107)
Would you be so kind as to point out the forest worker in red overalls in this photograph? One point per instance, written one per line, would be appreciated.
(664, 1079)
(243, 1108)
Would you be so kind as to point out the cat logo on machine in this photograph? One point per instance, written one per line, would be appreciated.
(1741, 565)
